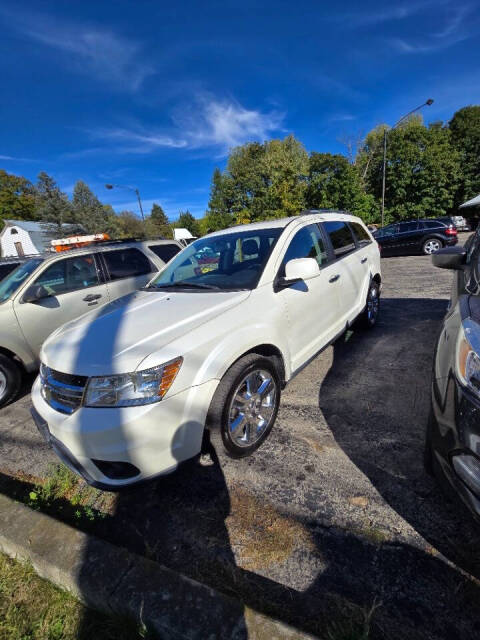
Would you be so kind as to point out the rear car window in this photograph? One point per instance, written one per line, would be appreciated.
(361, 234)
(432, 224)
(408, 226)
(68, 275)
(164, 251)
(6, 268)
(126, 263)
(340, 237)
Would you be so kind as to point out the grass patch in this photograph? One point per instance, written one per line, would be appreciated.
(33, 609)
(261, 536)
(63, 491)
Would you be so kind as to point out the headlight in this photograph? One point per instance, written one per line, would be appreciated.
(468, 360)
(132, 389)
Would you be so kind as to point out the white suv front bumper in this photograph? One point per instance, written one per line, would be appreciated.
(154, 438)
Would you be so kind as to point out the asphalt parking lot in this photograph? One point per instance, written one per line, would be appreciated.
(334, 517)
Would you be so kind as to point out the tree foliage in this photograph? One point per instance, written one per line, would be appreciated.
(51, 204)
(187, 221)
(89, 212)
(17, 197)
(465, 137)
(157, 224)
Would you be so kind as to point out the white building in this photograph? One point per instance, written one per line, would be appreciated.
(24, 238)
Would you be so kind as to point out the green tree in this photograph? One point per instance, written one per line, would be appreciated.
(88, 211)
(129, 225)
(51, 204)
(17, 197)
(187, 221)
(220, 205)
(465, 136)
(335, 183)
(157, 223)
(261, 181)
(422, 170)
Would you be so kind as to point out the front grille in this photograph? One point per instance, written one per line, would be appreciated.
(62, 391)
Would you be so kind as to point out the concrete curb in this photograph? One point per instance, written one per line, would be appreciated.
(113, 580)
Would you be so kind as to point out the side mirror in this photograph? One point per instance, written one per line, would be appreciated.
(34, 293)
(450, 258)
(298, 270)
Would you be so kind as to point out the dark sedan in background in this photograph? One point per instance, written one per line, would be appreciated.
(452, 449)
(415, 236)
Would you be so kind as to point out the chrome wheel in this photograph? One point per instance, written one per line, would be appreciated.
(431, 246)
(3, 384)
(252, 407)
(373, 304)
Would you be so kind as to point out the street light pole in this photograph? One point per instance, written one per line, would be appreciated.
(123, 186)
(425, 104)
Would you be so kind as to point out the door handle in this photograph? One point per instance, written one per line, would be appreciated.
(334, 278)
(91, 297)
(363, 260)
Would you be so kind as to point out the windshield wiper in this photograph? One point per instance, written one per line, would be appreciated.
(182, 285)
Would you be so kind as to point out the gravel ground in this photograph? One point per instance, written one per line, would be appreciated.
(334, 515)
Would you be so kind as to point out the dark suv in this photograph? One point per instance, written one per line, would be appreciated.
(415, 236)
(452, 448)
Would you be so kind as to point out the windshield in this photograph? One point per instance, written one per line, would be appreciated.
(224, 262)
(14, 279)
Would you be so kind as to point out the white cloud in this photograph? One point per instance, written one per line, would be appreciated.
(107, 56)
(390, 14)
(455, 30)
(211, 123)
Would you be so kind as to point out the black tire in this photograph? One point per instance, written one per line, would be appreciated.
(428, 246)
(369, 316)
(10, 379)
(221, 407)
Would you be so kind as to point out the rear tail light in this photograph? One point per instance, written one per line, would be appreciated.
(451, 231)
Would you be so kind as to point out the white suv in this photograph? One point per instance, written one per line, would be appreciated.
(125, 392)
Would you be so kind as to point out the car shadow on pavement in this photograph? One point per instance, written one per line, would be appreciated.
(375, 399)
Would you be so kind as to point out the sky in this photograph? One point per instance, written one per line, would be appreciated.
(152, 95)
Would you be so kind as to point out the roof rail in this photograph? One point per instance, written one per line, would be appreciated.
(307, 212)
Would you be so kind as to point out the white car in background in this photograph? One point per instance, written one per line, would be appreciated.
(125, 393)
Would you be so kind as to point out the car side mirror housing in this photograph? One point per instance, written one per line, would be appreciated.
(34, 293)
(450, 258)
(298, 270)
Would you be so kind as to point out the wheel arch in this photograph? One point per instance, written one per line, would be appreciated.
(13, 356)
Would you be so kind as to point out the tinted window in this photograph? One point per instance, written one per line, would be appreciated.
(70, 274)
(307, 243)
(6, 268)
(408, 226)
(340, 237)
(126, 263)
(361, 234)
(164, 251)
(432, 224)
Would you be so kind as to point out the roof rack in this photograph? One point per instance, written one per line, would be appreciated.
(314, 211)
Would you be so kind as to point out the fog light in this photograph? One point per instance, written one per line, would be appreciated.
(467, 467)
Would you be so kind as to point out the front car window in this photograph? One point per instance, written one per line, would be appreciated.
(12, 282)
(226, 261)
(70, 274)
(389, 230)
(306, 243)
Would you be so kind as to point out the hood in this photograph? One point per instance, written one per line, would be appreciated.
(117, 337)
